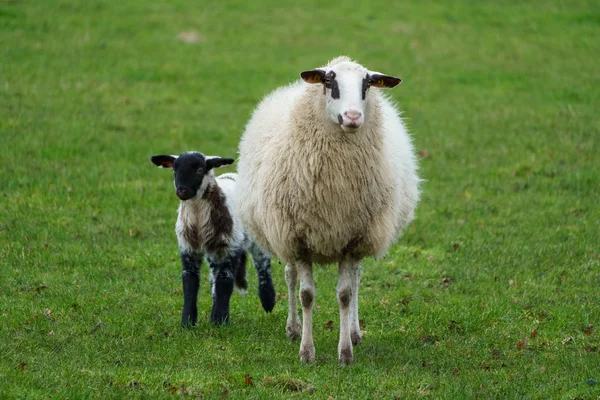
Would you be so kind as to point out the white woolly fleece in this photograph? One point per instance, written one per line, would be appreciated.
(309, 192)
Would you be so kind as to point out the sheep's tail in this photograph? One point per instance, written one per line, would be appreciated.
(240, 273)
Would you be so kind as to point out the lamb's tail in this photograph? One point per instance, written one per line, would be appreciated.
(240, 273)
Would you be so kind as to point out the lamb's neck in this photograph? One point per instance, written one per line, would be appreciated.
(202, 204)
(206, 222)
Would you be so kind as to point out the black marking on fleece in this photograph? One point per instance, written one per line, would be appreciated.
(220, 219)
(365, 86)
(332, 83)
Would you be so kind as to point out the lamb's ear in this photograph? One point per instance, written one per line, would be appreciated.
(313, 76)
(163, 161)
(216, 162)
(383, 81)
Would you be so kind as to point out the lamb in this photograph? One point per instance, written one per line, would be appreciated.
(328, 174)
(207, 226)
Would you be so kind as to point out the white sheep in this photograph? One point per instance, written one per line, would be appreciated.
(328, 174)
(207, 226)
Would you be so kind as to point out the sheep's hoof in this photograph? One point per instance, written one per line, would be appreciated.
(307, 355)
(346, 357)
(356, 338)
(292, 330)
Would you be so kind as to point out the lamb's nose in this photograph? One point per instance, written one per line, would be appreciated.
(181, 192)
(353, 115)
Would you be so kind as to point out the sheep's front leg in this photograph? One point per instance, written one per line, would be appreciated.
(292, 327)
(221, 282)
(262, 264)
(349, 272)
(307, 299)
(190, 277)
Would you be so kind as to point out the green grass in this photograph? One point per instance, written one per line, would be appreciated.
(493, 292)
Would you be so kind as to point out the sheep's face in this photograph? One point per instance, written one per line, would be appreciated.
(191, 170)
(346, 86)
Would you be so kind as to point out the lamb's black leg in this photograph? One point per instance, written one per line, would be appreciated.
(190, 277)
(222, 278)
(262, 263)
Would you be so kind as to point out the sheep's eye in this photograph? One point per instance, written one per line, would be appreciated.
(200, 171)
(327, 82)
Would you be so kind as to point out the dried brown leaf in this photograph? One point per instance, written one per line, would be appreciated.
(424, 153)
(533, 334)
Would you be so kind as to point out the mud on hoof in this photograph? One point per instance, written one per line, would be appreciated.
(346, 357)
(293, 330)
(307, 355)
(356, 338)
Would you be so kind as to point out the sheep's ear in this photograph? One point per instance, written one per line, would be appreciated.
(216, 162)
(313, 76)
(163, 161)
(383, 81)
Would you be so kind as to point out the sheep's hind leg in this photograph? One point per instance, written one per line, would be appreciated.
(292, 327)
(355, 334)
(222, 280)
(307, 299)
(346, 292)
(190, 277)
(262, 264)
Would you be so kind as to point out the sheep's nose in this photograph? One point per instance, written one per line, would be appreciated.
(353, 115)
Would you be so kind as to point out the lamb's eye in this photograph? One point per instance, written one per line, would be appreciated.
(327, 82)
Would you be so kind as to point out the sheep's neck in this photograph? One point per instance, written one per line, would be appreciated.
(310, 115)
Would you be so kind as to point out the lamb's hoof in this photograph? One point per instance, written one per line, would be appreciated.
(345, 357)
(219, 318)
(187, 324)
(293, 330)
(188, 321)
(307, 355)
(356, 338)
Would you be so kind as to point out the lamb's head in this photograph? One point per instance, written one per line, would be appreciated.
(191, 171)
(346, 85)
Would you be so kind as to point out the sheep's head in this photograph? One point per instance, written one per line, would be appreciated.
(190, 170)
(346, 85)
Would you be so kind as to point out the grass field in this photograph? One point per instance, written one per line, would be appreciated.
(493, 292)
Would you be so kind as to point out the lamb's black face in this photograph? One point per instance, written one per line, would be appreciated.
(190, 170)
